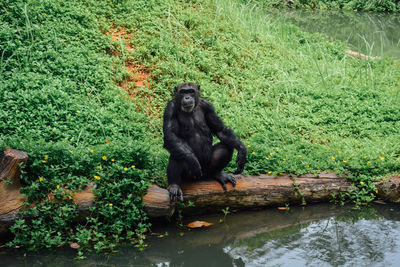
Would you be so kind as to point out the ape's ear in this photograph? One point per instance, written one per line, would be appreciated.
(198, 87)
(176, 89)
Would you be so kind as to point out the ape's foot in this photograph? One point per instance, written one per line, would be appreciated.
(175, 193)
(223, 178)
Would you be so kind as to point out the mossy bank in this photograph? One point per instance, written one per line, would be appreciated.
(296, 99)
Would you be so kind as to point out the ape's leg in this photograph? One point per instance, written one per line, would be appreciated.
(221, 156)
(175, 171)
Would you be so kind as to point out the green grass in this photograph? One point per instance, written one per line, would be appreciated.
(296, 100)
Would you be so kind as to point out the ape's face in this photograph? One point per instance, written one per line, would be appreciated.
(187, 95)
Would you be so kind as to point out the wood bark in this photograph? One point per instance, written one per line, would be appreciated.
(251, 192)
(10, 200)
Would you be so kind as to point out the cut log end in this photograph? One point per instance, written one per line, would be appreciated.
(11, 163)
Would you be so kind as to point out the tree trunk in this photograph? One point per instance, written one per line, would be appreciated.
(251, 192)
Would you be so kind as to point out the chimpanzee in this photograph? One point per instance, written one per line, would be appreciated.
(189, 125)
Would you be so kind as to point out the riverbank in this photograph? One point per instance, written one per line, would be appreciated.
(202, 197)
(350, 5)
(298, 102)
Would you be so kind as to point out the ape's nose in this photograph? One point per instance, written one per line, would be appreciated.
(187, 97)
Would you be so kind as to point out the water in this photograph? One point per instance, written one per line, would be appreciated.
(316, 235)
(374, 34)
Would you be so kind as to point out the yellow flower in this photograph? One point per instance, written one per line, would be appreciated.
(276, 149)
(133, 166)
(266, 158)
(361, 183)
(110, 204)
(348, 157)
(112, 160)
(97, 177)
(248, 145)
(307, 166)
(271, 154)
(107, 142)
(58, 186)
(253, 153)
(91, 150)
(125, 169)
(333, 158)
(43, 161)
(100, 167)
(376, 191)
(283, 159)
(46, 157)
(21, 143)
(40, 179)
(70, 151)
(382, 158)
(344, 161)
(368, 162)
(104, 157)
(269, 172)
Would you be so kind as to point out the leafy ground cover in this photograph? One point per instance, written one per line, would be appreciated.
(73, 97)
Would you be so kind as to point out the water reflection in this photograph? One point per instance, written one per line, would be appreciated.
(373, 34)
(328, 243)
(321, 235)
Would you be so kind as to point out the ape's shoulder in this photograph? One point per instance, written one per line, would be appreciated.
(171, 104)
(206, 105)
(170, 109)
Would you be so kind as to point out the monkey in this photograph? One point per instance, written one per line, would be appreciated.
(189, 124)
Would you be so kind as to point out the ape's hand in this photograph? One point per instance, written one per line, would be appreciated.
(175, 193)
(240, 160)
(196, 169)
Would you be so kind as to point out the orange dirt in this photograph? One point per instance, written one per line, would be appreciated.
(137, 84)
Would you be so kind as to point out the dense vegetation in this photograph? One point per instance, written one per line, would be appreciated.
(296, 99)
(357, 5)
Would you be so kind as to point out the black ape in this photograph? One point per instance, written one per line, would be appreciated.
(189, 125)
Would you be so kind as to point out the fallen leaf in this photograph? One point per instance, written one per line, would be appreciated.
(197, 224)
(282, 208)
(74, 245)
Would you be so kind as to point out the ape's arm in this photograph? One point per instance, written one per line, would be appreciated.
(176, 147)
(225, 134)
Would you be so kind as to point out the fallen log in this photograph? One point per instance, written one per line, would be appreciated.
(10, 200)
(251, 192)
(355, 54)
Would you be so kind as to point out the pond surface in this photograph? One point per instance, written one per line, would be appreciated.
(315, 235)
(374, 34)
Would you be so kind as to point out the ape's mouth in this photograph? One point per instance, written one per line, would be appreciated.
(188, 108)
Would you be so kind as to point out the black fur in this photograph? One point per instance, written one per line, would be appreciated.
(188, 136)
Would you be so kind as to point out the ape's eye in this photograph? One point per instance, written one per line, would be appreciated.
(187, 91)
